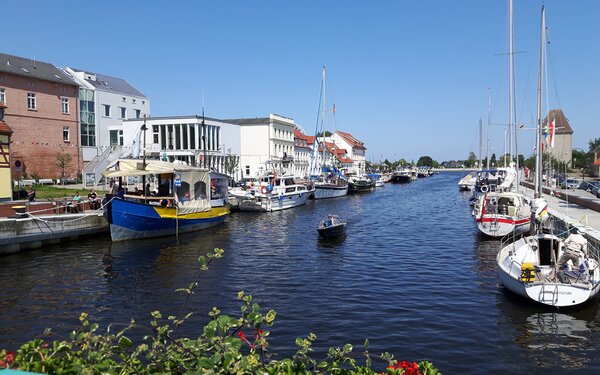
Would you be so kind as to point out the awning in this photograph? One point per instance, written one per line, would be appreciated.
(597, 162)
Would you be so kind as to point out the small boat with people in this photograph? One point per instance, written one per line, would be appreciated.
(331, 227)
(187, 199)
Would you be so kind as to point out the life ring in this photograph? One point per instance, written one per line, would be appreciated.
(263, 190)
(485, 189)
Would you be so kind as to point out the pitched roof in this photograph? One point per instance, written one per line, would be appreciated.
(561, 122)
(110, 84)
(355, 143)
(339, 153)
(5, 129)
(308, 138)
(32, 68)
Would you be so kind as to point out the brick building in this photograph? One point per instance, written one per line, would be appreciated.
(42, 111)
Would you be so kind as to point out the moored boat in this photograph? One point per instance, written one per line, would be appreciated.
(188, 199)
(272, 193)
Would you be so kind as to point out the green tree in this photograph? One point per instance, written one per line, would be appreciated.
(425, 161)
(471, 161)
(63, 161)
(493, 163)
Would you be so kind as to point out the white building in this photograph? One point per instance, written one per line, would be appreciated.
(302, 153)
(266, 143)
(207, 142)
(354, 148)
(104, 102)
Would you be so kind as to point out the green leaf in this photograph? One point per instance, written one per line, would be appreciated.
(125, 342)
(210, 329)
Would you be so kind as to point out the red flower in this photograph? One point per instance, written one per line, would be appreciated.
(410, 368)
(242, 335)
(260, 332)
(9, 359)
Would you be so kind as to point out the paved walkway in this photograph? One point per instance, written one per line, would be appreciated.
(587, 219)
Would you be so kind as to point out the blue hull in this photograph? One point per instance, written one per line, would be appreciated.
(131, 220)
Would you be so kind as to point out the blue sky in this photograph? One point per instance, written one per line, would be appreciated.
(409, 78)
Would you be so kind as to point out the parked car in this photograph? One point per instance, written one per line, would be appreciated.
(589, 186)
(570, 183)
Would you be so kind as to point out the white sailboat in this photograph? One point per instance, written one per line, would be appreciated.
(505, 210)
(546, 268)
(329, 182)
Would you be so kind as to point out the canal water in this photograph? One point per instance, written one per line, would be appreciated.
(412, 276)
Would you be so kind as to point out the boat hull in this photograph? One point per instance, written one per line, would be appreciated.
(329, 191)
(500, 226)
(360, 187)
(331, 232)
(273, 202)
(131, 220)
(401, 179)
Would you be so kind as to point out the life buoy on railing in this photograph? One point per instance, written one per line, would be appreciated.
(485, 189)
(263, 190)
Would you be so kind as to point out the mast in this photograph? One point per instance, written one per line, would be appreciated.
(539, 137)
(323, 117)
(511, 77)
(480, 145)
(488, 127)
(315, 151)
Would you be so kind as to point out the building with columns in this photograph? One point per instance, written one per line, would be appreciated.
(302, 153)
(205, 142)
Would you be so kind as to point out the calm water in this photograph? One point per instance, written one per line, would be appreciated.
(412, 276)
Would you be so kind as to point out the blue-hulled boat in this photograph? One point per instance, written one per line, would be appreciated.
(188, 199)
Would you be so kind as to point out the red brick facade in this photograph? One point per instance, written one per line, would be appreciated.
(38, 134)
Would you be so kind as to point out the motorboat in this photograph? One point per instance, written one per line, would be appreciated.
(360, 183)
(331, 227)
(271, 193)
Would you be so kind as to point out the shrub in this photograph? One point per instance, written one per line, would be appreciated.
(227, 345)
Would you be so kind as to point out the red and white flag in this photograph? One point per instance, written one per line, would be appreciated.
(551, 131)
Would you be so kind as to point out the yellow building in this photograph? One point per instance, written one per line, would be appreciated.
(5, 177)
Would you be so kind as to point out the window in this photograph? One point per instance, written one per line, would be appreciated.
(106, 110)
(138, 113)
(133, 101)
(3, 96)
(123, 112)
(65, 106)
(66, 134)
(247, 170)
(31, 103)
(116, 137)
(155, 134)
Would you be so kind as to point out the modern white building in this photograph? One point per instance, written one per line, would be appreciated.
(104, 102)
(266, 143)
(205, 142)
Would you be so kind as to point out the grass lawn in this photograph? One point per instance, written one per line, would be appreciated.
(49, 191)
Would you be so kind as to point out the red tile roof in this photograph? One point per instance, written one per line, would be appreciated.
(5, 129)
(355, 143)
(339, 153)
(308, 138)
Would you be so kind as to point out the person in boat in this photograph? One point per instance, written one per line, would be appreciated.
(75, 204)
(31, 195)
(575, 250)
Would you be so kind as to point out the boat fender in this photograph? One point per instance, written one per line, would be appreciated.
(485, 189)
(269, 188)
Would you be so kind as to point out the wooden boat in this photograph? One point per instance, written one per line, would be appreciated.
(331, 227)
(188, 199)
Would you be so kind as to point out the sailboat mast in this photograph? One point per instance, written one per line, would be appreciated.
(539, 137)
(480, 144)
(488, 127)
(511, 82)
(324, 116)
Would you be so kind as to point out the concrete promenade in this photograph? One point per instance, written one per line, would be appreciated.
(573, 207)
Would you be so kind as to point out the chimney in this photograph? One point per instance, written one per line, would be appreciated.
(7, 62)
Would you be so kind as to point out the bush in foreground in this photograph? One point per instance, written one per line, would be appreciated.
(227, 345)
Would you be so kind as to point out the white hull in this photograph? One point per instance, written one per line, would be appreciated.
(500, 226)
(545, 289)
(272, 202)
(330, 191)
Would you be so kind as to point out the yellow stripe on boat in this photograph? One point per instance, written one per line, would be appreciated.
(171, 213)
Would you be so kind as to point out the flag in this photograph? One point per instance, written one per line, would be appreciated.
(551, 133)
(333, 108)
